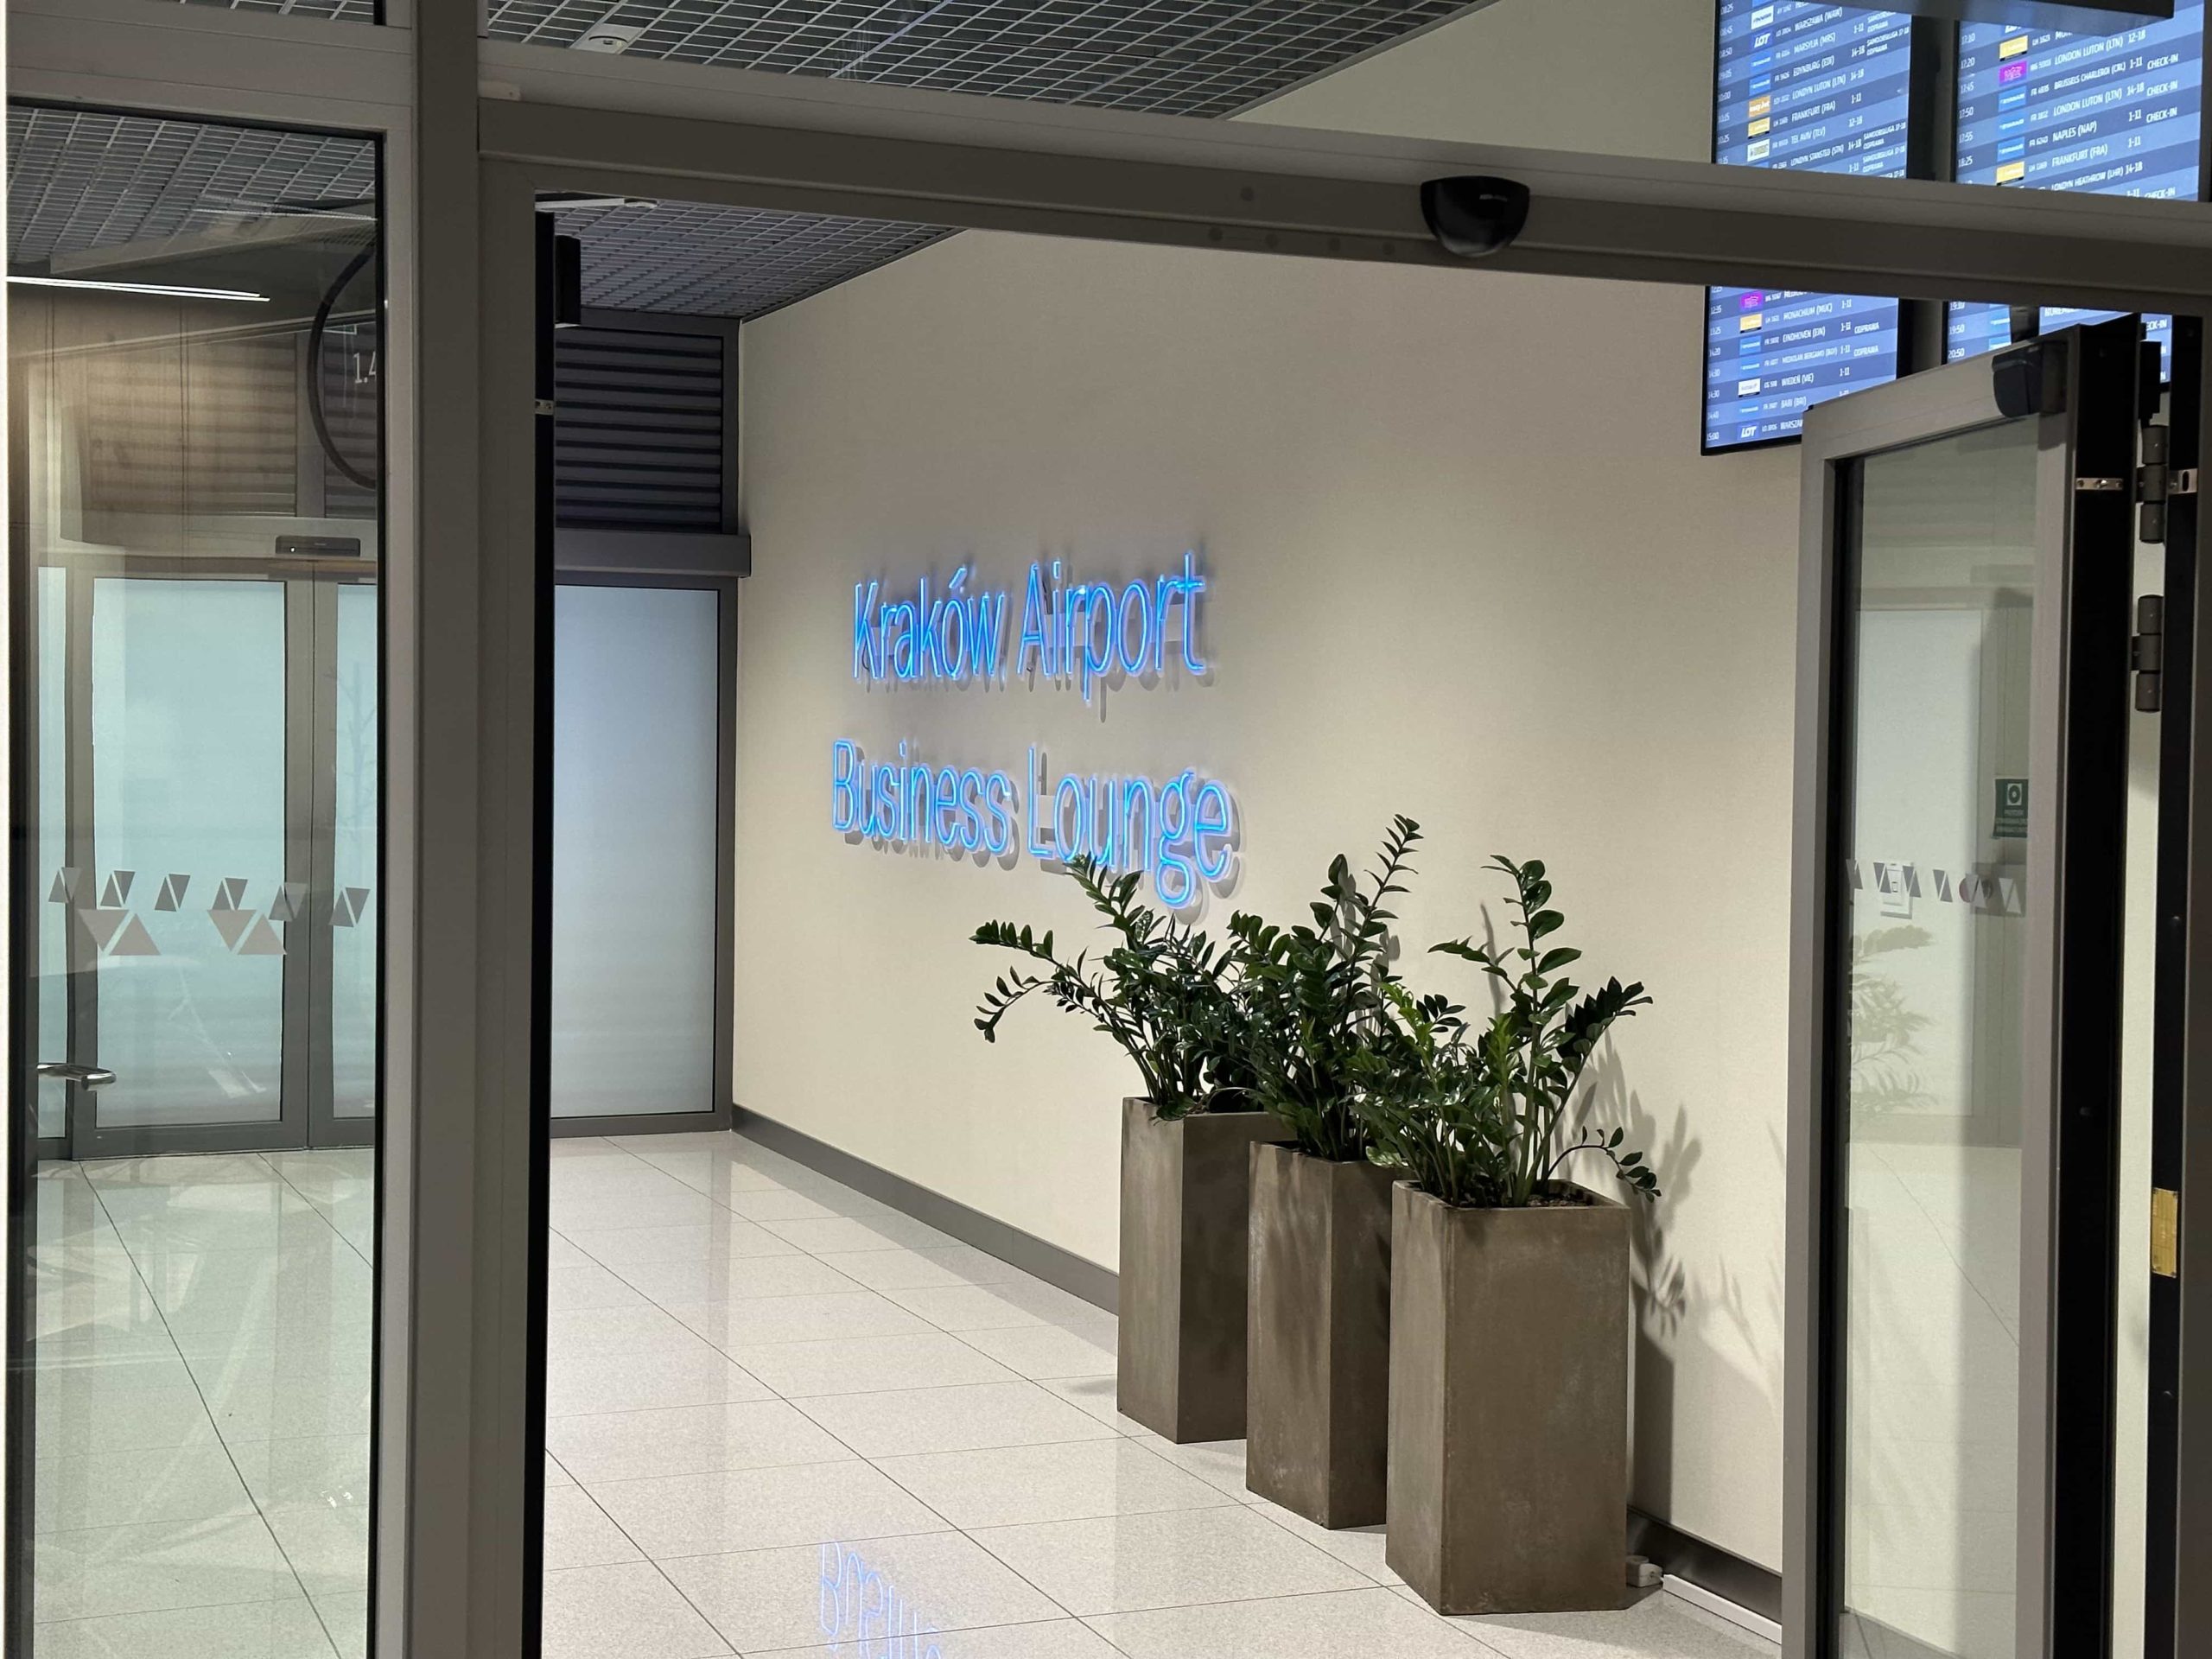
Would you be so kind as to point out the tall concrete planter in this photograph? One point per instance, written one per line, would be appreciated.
(1186, 1190)
(1509, 1404)
(1319, 1384)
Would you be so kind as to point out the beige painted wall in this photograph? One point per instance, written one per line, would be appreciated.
(1466, 565)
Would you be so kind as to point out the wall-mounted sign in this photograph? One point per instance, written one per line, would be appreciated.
(2012, 813)
(1179, 830)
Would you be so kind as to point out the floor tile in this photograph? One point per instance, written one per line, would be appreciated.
(327, 1545)
(1352, 1624)
(583, 1330)
(996, 1307)
(689, 1441)
(704, 1172)
(622, 1248)
(957, 1419)
(863, 1596)
(1220, 1463)
(286, 1393)
(1659, 1626)
(159, 1566)
(890, 1231)
(1099, 1395)
(114, 1178)
(578, 1533)
(731, 1326)
(800, 1370)
(1043, 1350)
(345, 1621)
(586, 1285)
(330, 1469)
(1177, 1558)
(696, 1374)
(623, 1613)
(1062, 1638)
(761, 1509)
(225, 1290)
(123, 1408)
(686, 1209)
(1362, 1549)
(272, 1629)
(631, 1180)
(779, 1204)
(1073, 1481)
(193, 1482)
(737, 1278)
(911, 1269)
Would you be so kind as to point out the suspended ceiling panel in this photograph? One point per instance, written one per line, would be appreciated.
(83, 181)
(1178, 57)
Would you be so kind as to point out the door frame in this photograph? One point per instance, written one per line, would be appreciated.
(2072, 904)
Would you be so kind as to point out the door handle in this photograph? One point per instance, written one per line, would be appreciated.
(93, 1076)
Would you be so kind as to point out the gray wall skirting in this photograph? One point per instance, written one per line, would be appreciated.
(1728, 1575)
(1707, 1566)
(1055, 1266)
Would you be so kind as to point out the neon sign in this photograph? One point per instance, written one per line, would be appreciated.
(1078, 634)
(1180, 831)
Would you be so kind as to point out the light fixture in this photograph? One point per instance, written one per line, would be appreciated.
(607, 37)
(169, 291)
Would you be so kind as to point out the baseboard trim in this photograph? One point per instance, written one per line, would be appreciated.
(1034, 1256)
(1727, 1578)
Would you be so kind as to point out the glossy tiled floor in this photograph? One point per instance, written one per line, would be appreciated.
(783, 1419)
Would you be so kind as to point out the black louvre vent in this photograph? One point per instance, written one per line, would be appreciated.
(639, 430)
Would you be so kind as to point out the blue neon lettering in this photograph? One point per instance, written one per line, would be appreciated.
(844, 786)
(1191, 584)
(1212, 821)
(1044, 851)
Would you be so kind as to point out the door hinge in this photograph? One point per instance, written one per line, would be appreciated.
(2165, 1232)
(2182, 481)
(2147, 653)
(2154, 483)
(541, 406)
(2101, 486)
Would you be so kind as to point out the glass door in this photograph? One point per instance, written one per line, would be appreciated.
(1964, 713)
(210, 869)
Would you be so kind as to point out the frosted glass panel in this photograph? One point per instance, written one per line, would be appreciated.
(188, 844)
(353, 862)
(635, 750)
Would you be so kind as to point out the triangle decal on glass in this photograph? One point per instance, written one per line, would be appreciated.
(262, 942)
(291, 899)
(102, 924)
(171, 896)
(231, 925)
(230, 895)
(64, 890)
(117, 894)
(135, 941)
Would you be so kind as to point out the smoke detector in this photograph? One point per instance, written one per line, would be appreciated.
(607, 37)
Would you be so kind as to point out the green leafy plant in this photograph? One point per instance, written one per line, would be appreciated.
(1475, 1114)
(1316, 1000)
(1883, 1026)
(1167, 994)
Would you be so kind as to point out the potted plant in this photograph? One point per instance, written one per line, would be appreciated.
(1509, 1294)
(1170, 996)
(1317, 1001)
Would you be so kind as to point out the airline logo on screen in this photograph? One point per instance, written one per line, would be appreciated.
(1181, 829)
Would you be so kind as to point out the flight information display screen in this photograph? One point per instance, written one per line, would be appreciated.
(1827, 89)
(2114, 114)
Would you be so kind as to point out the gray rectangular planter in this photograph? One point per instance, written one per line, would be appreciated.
(1319, 1385)
(1509, 1404)
(1185, 1203)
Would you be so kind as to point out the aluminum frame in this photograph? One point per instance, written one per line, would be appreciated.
(1957, 399)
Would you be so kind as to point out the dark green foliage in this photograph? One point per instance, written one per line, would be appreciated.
(1317, 1003)
(1167, 994)
(1474, 1114)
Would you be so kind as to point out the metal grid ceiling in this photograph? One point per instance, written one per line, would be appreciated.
(343, 11)
(1176, 57)
(78, 180)
(727, 262)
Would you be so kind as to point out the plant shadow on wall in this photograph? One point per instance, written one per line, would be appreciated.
(1323, 1275)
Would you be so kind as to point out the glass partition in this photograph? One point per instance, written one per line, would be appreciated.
(194, 322)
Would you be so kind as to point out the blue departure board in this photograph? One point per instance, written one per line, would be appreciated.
(2115, 114)
(1827, 89)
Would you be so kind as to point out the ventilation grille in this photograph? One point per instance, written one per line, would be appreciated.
(638, 431)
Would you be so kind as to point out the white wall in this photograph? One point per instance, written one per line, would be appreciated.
(1467, 565)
